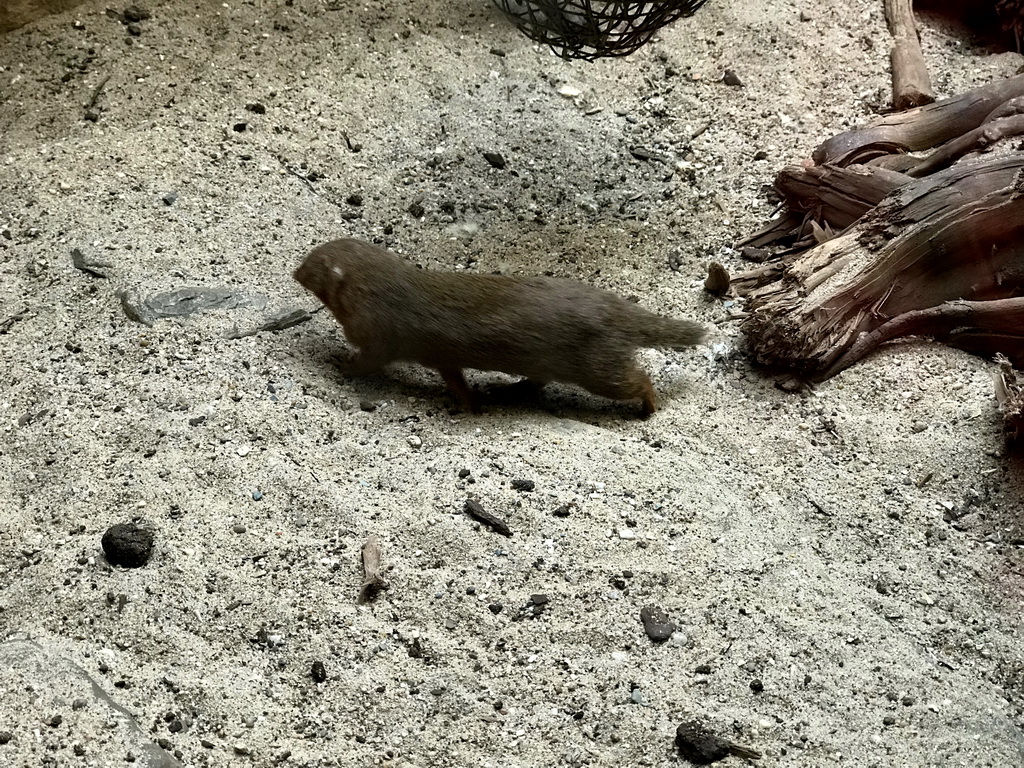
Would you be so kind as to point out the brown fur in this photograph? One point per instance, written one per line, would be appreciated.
(543, 328)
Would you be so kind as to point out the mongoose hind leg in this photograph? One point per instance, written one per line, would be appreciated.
(457, 385)
(632, 384)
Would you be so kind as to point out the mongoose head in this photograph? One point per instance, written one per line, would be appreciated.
(321, 273)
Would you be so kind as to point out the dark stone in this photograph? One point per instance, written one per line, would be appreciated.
(256, 108)
(495, 608)
(656, 623)
(366, 405)
(756, 685)
(563, 511)
(523, 485)
(702, 669)
(416, 209)
(464, 473)
(732, 79)
(495, 159)
(354, 199)
(134, 29)
(128, 545)
(239, 127)
(170, 198)
(134, 13)
(701, 747)
(540, 599)
(318, 672)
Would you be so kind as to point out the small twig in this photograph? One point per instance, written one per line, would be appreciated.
(476, 510)
(373, 582)
(97, 92)
(8, 322)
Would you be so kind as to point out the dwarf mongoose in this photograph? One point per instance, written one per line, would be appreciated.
(543, 328)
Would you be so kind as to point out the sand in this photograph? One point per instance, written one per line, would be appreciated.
(843, 565)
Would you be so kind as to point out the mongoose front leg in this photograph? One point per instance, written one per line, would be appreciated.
(460, 389)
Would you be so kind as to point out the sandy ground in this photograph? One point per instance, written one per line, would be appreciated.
(843, 565)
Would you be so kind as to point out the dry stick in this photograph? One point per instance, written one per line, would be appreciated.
(1003, 318)
(975, 141)
(373, 582)
(923, 127)
(911, 86)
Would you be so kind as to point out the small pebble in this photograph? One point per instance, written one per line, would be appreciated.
(540, 599)
(495, 608)
(888, 720)
(756, 685)
(366, 405)
(414, 441)
(626, 533)
(732, 79)
(238, 528)
(656, 623)
(523, 485)
(257, 495)
(318, 672)
(449, 624)
(170, 198)
(563, 511)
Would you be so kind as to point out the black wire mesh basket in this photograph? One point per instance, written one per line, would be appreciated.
(592, 29)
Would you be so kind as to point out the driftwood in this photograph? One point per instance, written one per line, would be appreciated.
(373, 580)
(955, 235)
(921, 128)
(899, 229)
(911, 85)
(1010, 393)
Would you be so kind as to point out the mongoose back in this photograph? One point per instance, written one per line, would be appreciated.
(543, 328)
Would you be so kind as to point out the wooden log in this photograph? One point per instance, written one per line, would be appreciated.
(958, 234)
(920, 128)
(911, 85)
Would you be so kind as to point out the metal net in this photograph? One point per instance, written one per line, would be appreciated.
(592, 29)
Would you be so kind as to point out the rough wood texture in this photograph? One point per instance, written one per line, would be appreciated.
(911, 85)
(921, 128)
(958, 234)
(1010, 394)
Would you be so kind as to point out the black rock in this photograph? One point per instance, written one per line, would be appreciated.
(256, 108)
(416, 209)
(134, 13)
(318, 672)
(524, 485)
(128, 545)
(701, 747)
(495, 608)
(656, 623)
(540, 599)
(495, 159)
(732, 79)
(563, 511)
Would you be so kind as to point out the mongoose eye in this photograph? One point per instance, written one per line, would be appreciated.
(337, 271)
